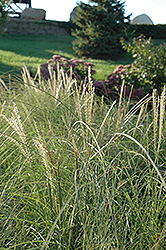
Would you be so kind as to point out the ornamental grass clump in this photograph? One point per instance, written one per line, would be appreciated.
(77, 174)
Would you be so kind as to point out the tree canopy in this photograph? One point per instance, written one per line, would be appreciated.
(4, 8)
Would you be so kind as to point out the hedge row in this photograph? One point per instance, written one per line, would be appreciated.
(148, 30)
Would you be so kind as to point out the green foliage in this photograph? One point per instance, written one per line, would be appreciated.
(4, 8)
(149, 67)
(99, 28)
(148, 30)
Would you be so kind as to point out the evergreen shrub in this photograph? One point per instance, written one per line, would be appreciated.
(99, 28)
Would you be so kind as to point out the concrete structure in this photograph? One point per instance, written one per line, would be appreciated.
(23, 26)
(141, 19)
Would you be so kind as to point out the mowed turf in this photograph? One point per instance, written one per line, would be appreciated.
(17, 50)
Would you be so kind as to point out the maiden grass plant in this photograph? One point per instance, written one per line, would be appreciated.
(77, 174)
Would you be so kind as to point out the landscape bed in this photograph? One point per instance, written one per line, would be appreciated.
(77, 172)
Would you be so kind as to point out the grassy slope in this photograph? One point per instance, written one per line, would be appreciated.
(33, 50)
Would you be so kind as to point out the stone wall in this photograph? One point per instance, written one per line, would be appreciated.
(22, 26)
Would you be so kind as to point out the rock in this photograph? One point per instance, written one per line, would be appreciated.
(33, 14)
(73, 13)
(141, 19)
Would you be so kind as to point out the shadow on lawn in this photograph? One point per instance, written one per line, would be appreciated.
(39, 46)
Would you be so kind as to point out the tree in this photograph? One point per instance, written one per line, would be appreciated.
(99, 27)
(4, 8)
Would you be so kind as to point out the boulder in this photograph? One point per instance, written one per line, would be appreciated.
(33, 14)
(73, 13)
(141, 19)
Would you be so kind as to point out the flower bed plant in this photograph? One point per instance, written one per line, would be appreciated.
(79, 67)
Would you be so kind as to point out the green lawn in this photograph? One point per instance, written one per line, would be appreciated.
(33, 50)
(30, 49)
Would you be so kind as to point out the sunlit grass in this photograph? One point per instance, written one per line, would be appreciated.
(14, 61)
(34, 50)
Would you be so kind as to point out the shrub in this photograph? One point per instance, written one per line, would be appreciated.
(99, 28)
(148, 70)
(111, 87)
(149, 30)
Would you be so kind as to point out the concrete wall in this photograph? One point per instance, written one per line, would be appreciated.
(22, 26)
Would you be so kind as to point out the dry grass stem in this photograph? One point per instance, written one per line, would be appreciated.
(2, 109)
(16, 124)
(4, 85)
(105, 118)
(161, 119)
(42, 151)
(75, 148)
(138, 120)
(119, 107)
(155, 115)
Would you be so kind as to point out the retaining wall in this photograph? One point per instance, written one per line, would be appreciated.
(22, 26)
